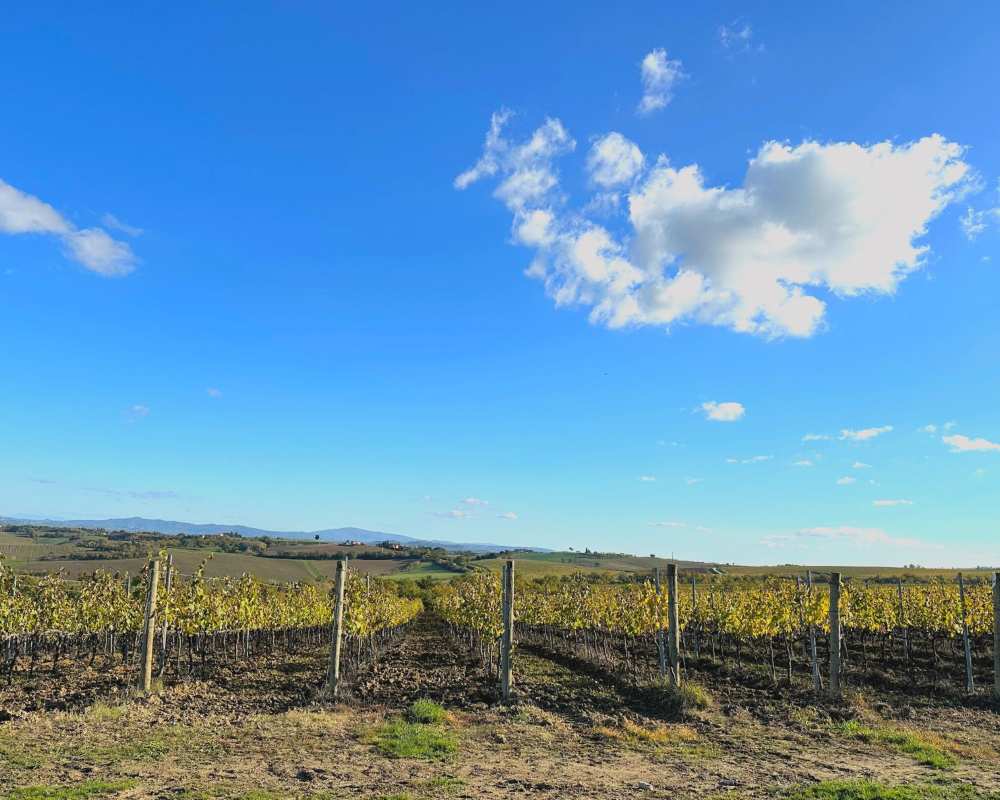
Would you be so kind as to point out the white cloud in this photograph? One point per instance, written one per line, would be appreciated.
(99, 253)
(860, 465)
(475, 501)
(964, 444)
(211, 391)
(865, 434)
(456, 513)
(803, 463)
(614, 160)
(808, 220)
(647, 478)
(509, 515)
(723, 412)
(22, 213)
(929, 429)
(816, 437)
(693, 481)
(847, 480)
(751, 460)
(659, 75)
(890, 503)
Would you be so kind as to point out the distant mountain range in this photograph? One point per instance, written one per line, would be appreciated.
(172, 527)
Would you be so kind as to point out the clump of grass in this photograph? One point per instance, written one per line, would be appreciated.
(102, 712)
(903, 741)
(81, 791)
(867, 790)
(677, 740)
(444, 784)
(402, 739)
(679, 701)
(427, 712)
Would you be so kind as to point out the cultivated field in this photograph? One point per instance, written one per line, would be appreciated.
(709, 685)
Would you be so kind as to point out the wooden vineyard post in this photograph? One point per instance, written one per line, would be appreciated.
(817, 676)
(996, 635)
(507, 643)
(333, 671)
(150, 626)
(694, 617)
(902, 619)
(970, 683)
(661, 639)
(167, 583)
(835, 633)
(674, 631)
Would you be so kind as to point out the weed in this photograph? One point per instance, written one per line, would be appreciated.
(80, 791)
(903, 741)
(428, 712)
(866, 790)
(402, 739)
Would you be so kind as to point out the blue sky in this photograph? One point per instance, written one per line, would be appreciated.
(258, 266)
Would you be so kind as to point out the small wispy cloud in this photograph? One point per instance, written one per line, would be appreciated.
(723, 412)
(750, 460)
(211, 391)
(137, 412)
(890, 503)
(847, 480)
(966, 444)
(816, 437)
(693, 481)
(737, 37)
(864, 536)
(509, 515)
(933, 428)
(132, 494)
(805, 462)
(659, 76)
(860, 465)
(455, 513)
(111, 221)
(475, 501)
(676, 524)
(647, 478)
(864, 434)
(847, 534)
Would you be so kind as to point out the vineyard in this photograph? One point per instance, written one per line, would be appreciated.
(922, 636)
(917, 633)
(195, 620)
